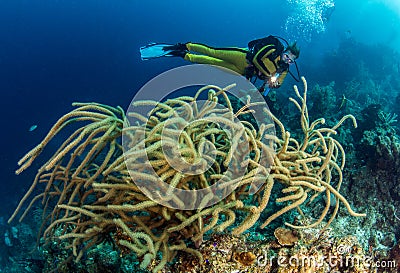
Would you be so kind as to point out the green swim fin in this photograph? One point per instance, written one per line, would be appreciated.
(154, 50)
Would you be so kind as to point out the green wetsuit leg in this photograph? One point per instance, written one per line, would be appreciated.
(231, 58)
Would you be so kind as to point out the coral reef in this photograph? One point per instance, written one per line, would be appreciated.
(324, 101)
(90, 196)
(370, 87)
(378, 149)
(316, 250)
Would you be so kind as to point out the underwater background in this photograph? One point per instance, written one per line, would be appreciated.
(53, 53)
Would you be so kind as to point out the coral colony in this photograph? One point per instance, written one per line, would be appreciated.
(91, 201)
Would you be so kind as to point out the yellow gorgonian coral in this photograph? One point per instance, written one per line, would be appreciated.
(91, 185)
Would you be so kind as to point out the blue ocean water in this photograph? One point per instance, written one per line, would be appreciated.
(53, 53)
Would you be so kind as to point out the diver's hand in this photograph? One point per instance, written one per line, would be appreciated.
(274, 84)
(273, 81)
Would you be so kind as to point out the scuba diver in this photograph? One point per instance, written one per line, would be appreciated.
(265, 59)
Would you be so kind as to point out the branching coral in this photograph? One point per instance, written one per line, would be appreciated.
(306, 168)
(93, 184)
